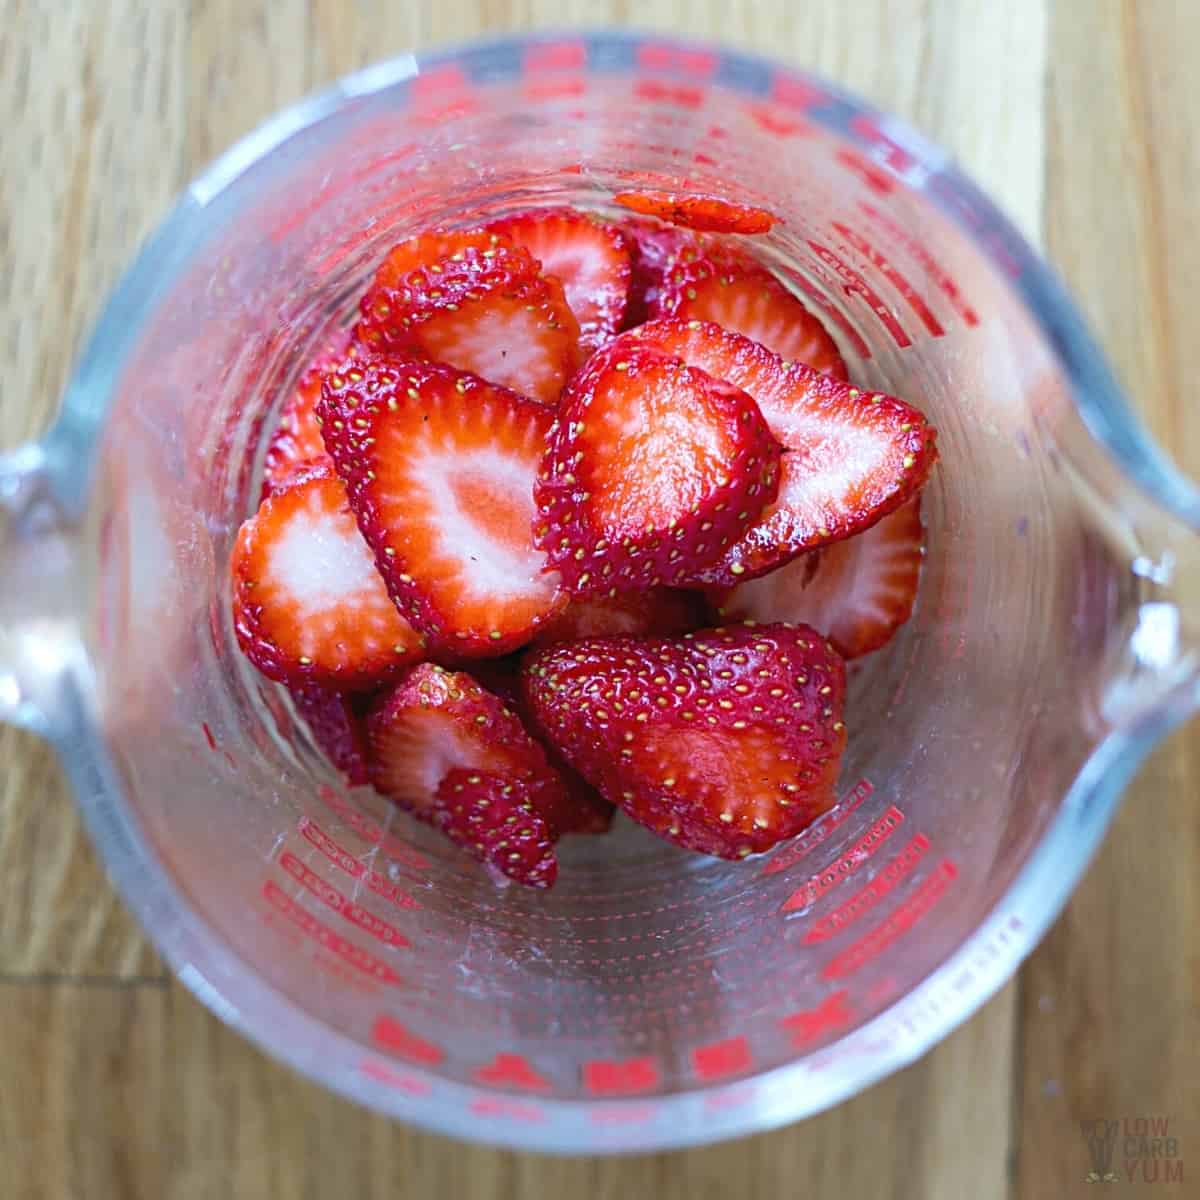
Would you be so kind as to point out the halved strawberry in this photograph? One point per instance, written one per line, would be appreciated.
(652, 469)
(652, 247)
(707, 282)
(489, 311)
(308, 603)
(494, 820)
(296, 441)
(336, 723)
(858, 592)
(850, 456)
(660, 611)
(440, 468)
(588, 256)
(725, 741)
(709, 214)
(427, 250)
(435, 720)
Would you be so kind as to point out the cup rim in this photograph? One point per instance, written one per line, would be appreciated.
(915, 1021)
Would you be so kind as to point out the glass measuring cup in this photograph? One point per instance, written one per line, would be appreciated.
(652, 998)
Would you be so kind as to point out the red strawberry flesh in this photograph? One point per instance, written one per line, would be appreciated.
(309, 605)
(704, 213)
(652, 247)
(858, 592)
(652, 470)
(440, 469)
(850, 456)
(588, 256)
(725, 741)
(337, 726)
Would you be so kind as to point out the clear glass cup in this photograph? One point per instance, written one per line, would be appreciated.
(653, 998)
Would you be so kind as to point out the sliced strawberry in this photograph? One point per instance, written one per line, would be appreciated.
(336, 723)
(705, 282)
(709, 214)
(652, 248)
(588, 256)
(308, 603)
(660, 611)
(857, 592)
(440, 468)
(487, 311)
(495, 821)
(296, 442)
(850, 456)
(429, 249)
(652, 469)
(576, 806)
(725, 741)
(434, 721)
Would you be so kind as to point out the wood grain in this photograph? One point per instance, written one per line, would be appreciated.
(118, 1085)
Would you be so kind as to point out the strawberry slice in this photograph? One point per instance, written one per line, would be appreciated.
(434, 721)
(493, 820)
(850, 456)
(709, 214)
(440, 468)
(652, 470)
(660, 611)
(858, 592)
(711, 283)
(725, 741)
(588, 256)
(336, 723)
(488, 311)
(429, 249)
(652, 248)
(296, 442)
(308, 603)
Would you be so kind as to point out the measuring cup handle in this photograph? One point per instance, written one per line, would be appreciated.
(42, 593)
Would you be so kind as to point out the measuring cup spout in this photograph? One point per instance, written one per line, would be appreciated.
(42, 587)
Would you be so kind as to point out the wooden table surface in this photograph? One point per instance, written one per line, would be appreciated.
(1083, 118)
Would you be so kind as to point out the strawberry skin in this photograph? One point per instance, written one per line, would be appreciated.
(589, 257)
(435, 721)
(725, 741)
(440, 468)
(849, 456)
(652, 470)
(335, 721)
(487, 311)
(709, 214)
(711, 283)
(495, 821)
(857, 592)
(652, 248)
(308, 603)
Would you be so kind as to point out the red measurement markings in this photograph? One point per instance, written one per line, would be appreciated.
(876, 258)
(719, 1059)
(554, 56)
(772, 121)
(512, 1070)
(372, 1068)
(830, 309)
(870, 173)
(795, 93)
(550, 89)
(736, 1096)
(501, 1106)
(669, 93)
(854, 284)
(604, 1077)
(390, 1035)
(812, 838)
(813, 889)
(369, 830)
(657, 56)
(326, 937)
(809, 1024)
(893, 926)
(887, 151)
(890, 875)
(328, 895)
(340, 857)
(932, 268)
(208, 736)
